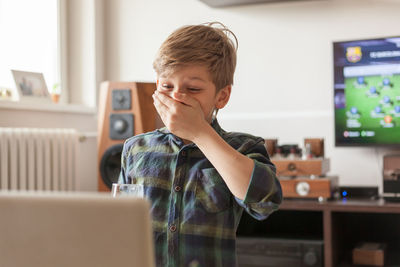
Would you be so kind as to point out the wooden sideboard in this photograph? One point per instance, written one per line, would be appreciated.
(341, 224)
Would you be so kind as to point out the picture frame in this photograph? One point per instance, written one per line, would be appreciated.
(31, 86)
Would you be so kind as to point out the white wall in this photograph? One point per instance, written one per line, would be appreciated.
(283, 83)
(84, 51)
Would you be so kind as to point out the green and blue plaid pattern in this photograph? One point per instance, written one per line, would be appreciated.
(195, 216)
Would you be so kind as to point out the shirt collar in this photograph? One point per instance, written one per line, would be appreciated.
(217, 127)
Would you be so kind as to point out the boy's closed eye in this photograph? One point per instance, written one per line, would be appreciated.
(166, 87)
(191, 89)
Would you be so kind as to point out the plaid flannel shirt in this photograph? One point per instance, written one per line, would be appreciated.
(195, 216)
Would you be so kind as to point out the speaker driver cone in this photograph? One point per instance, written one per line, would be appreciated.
(110, 165)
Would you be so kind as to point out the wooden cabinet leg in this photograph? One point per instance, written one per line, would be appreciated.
(327, 221)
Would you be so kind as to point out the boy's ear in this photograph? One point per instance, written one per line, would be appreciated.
(223, 97)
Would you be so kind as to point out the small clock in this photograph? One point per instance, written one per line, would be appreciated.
(302, 188)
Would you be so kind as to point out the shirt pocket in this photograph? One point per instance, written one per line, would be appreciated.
(211, 191)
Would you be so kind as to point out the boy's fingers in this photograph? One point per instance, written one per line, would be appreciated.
(161, 107)
(166, 100)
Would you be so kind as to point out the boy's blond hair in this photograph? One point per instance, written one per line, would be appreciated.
(202, 44)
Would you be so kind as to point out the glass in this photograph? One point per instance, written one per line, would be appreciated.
(135, 190)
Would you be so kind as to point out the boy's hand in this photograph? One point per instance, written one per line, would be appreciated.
(181, 114)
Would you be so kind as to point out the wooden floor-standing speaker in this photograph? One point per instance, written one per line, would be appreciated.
(125, 109)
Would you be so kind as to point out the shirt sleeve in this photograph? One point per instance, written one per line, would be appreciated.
(264, 193)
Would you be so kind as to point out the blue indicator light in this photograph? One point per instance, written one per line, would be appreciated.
(344, 193)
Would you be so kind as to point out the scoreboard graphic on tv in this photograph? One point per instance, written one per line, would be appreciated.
(367, 92)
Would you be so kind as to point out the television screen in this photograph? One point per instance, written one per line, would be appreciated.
(367, 92)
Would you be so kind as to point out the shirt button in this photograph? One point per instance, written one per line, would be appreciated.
(177, 188)
(183, 153)
(172, 228)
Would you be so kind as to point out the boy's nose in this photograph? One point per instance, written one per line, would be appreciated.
(178, 89)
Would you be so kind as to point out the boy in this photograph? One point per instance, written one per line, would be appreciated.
(198, 177)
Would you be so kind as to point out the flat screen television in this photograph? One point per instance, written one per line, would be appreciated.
(367, 92)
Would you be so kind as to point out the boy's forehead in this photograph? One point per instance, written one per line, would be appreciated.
(190, 72)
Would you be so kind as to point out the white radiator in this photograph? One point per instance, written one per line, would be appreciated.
(38, 159)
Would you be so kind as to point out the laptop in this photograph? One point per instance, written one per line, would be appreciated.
(74, 230)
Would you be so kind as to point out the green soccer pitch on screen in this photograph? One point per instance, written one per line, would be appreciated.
(367, 92)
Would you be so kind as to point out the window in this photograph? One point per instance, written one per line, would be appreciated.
(29, 39)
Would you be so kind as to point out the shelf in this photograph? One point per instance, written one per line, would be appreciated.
(372, 206)
(62, 108)
(341, 224)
